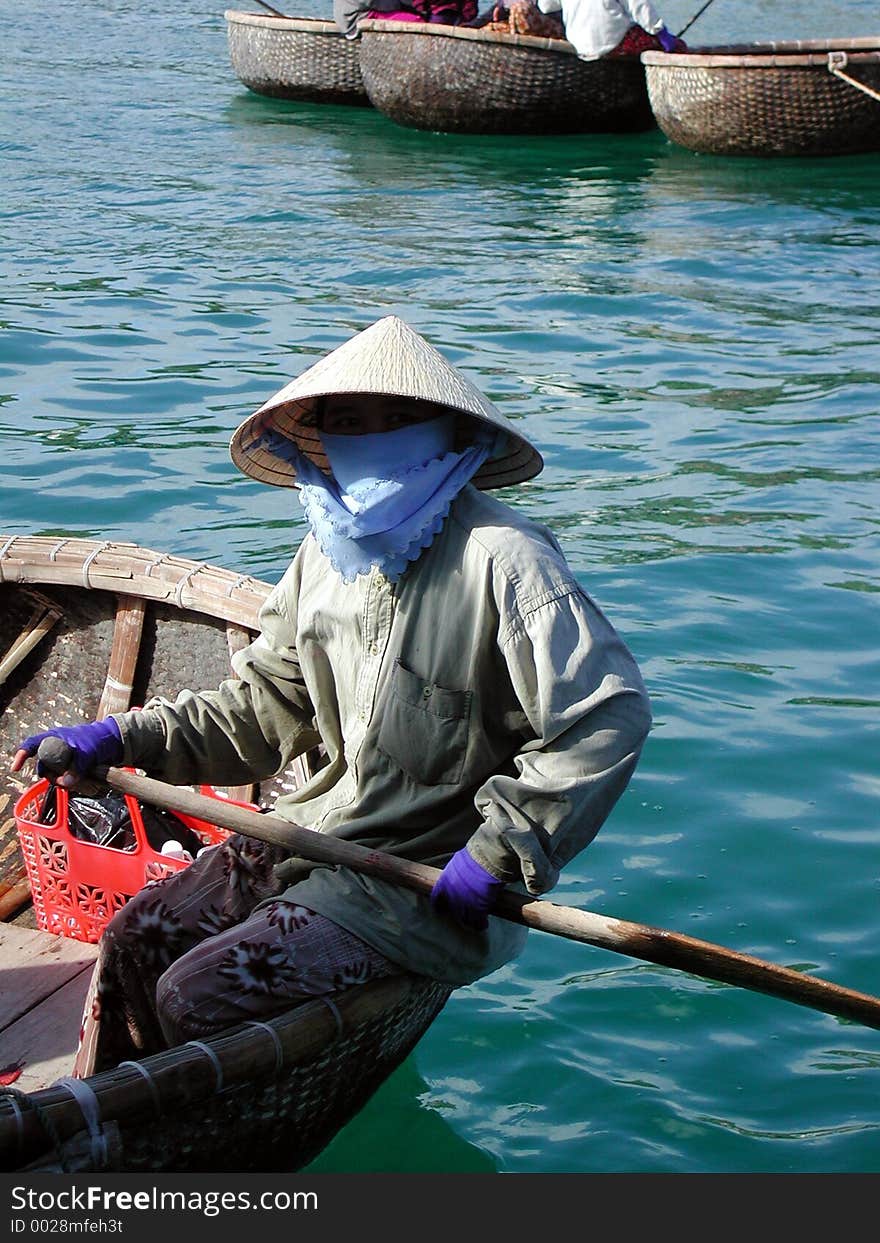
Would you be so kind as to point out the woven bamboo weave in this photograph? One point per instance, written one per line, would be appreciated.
(295, 58)
(459, 80)
(769, 99)
(266, 1097)
(194, 615)
(108, 565)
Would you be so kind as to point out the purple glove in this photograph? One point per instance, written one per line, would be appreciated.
(97, 743)
(668, 41)
(466, 890)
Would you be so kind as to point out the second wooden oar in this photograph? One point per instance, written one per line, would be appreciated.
(657, 945)
(278, 13)
(698, 13)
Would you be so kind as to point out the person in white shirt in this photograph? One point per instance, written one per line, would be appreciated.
(613, 27)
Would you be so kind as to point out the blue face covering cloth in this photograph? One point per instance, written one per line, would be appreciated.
(389, 494)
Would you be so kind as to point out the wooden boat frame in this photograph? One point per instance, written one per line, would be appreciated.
(299, 58)
(458, 79)
(799, 98)
(264, 1096)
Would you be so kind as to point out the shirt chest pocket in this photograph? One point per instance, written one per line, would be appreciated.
(424, 728)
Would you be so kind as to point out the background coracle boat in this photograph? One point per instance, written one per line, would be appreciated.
(800, 98)
(86, 628)
(302, 58)
(460, 80)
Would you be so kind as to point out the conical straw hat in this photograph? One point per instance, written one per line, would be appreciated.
(388, 357)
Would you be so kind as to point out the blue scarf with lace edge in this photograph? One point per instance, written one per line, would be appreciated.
(389, 495)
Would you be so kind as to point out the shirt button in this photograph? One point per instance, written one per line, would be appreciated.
(427, 692)
(374, 648)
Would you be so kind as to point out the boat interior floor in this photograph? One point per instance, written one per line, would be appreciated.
(43, 980)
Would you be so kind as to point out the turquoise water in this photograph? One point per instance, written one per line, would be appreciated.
(693, 343)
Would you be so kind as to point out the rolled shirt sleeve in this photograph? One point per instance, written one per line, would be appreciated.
(587, 707)
(246, 730)
(644, 14)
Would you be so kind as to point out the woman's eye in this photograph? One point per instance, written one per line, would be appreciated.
(342, 423)
(406, 418)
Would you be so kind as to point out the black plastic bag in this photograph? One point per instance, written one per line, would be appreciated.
(106, 821)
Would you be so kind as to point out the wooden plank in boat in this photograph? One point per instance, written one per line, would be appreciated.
(43, 984)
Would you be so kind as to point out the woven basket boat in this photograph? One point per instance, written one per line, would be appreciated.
(769, 99)
(266, 1097)
(300, 58)
(460, 80)
(89, 627)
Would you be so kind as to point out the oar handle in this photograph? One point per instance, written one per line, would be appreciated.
(56, 757)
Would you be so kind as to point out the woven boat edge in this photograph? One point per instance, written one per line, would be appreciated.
(793, 54)
(309, 25)
(469, 33)
(129, 568)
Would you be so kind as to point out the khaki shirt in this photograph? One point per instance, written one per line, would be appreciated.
(483, 699)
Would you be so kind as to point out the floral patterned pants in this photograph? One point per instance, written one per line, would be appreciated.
(189, 956)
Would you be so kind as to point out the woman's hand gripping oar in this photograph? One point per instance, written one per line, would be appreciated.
(657, 945)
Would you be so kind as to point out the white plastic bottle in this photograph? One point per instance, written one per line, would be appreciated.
(174, 850)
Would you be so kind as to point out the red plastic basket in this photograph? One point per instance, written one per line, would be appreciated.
(77, 886)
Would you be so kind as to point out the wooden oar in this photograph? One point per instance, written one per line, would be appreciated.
(274, 12)
(46, 614)
(657, 945)
(698, 13)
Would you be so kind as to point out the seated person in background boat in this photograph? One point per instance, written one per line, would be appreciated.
(521, 17)
(478, 711)
(596, 28)
(347, 13)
